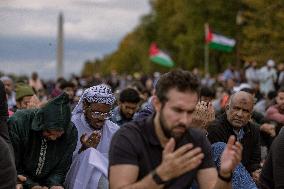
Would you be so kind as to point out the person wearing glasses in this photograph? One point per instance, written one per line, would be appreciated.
(95, 130)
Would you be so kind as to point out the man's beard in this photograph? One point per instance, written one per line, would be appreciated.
(168, 132)
(125, 117)
(281, 108)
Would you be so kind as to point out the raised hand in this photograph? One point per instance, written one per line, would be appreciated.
(34, 102)
(231, 156)
(90, 142)
(269, 129)
(36, 187)
(21, 179)
(56, 187)
(203, 114)
(176, 163)
(19, 186)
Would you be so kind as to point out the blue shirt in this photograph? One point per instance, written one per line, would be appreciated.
(118, 118)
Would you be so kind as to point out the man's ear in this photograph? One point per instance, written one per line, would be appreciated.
(85, 105)
(156, 103)
(227, 108)
(18, 104)
(118, 103)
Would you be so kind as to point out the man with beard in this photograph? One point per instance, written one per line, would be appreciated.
(163, 151)
(236, 121)
(128, 104)
(276, 112)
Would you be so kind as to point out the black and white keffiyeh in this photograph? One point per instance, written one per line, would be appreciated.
(100, 94)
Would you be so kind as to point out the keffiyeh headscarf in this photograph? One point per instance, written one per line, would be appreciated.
(98, 94)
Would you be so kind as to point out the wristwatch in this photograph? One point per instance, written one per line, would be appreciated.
(158, 180)
(225, 179)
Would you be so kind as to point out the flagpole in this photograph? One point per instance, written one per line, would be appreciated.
(206, 50)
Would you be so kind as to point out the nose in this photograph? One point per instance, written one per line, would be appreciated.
(101, 117)
(184, 118)
(130, 111)
(240, 113)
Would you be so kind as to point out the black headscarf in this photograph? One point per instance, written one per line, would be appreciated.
(3, 113)
(3, 102)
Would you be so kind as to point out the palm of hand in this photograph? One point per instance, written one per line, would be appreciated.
(56, 187)
(227, 161)
(91, 141)
(231, 156)
(34, 102)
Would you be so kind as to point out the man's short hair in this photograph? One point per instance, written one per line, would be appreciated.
(65, 84)
(207, 92)
(280, 90)
(179, 79)
(129, 95)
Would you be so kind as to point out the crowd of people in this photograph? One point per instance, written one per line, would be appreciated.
(172, 130)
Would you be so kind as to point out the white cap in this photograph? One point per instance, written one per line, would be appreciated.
(270, 63)
(241, 86)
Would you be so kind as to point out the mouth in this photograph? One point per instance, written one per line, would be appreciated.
(128, 116)
(179, 129)
(98, 124)
(238, 121)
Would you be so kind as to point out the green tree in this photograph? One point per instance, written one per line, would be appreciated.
(178, 29)
(263, 30)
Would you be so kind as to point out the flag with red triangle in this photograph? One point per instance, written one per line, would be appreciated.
(159, 57)
(219, 42)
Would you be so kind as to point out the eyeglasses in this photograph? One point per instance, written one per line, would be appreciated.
(96, 114)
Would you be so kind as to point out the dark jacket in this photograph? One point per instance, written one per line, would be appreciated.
(272, 174)
(8, 174)
(220, 130)
(43, 162)
(3, 114)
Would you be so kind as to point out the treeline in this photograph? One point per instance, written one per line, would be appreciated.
(177, 26)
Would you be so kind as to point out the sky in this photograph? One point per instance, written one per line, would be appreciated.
(92, 29)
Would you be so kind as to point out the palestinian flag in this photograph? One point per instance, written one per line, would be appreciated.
(159, 57)
(219, 42)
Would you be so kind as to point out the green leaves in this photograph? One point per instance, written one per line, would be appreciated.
(178, 28)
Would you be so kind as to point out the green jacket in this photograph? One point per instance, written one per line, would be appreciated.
(44, 162)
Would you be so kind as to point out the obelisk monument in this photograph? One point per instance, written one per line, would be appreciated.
(60, 47)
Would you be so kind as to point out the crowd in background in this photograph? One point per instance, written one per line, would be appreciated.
(134, 93)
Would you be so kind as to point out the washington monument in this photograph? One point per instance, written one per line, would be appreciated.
(60, 47)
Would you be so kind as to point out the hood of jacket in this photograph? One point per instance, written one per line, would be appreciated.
(55, 115)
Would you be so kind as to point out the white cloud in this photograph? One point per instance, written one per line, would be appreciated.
(88, 19)
(92, 28)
